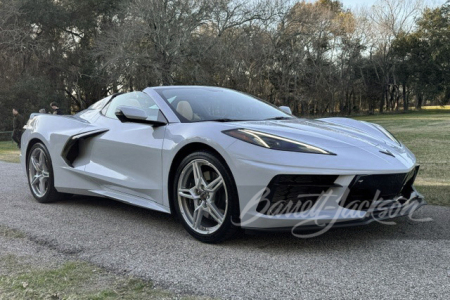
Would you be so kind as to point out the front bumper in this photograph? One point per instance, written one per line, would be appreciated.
(252, 179)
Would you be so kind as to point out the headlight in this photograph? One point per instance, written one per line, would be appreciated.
(273, 142)
(386, 133)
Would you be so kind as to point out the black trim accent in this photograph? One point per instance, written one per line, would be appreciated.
(154, 123)
(387, 152)
(71, 149)
(408, 187)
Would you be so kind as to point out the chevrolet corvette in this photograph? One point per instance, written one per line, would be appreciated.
(221, 161)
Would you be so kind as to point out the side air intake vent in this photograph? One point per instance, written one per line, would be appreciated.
(71, 150)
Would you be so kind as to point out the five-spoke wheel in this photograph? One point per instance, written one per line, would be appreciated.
(202, 196)
(40, 174)
(205, 197)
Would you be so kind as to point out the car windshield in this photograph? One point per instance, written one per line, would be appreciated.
(199, 104)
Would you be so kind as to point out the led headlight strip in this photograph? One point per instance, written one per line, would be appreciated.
(275, 142)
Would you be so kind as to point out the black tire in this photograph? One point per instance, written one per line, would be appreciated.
(51, 194)
(227, 229)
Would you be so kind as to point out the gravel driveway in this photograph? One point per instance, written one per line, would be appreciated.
(408, 260)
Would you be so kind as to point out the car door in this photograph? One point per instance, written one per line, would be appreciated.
(127, 157)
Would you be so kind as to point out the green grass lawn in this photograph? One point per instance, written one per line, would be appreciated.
(74, 280)
(9, 152)
(427, 135)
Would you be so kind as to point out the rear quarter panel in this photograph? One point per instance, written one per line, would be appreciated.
(54, 131)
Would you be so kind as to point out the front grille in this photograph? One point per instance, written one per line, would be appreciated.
(286, 193)
(364, 189)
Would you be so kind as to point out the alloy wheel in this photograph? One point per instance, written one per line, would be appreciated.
(202, 196)
(38, 172)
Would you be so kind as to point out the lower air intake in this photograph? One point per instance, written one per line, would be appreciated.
(294, 193)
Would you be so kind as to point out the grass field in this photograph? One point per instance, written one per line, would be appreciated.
(436, 107)
(9, 152)
(426, 133)
(72, 280)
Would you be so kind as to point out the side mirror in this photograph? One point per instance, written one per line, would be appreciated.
(286, 109)
(137, 115)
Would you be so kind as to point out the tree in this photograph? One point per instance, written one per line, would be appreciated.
(424, 56)
(390, 18)
(316, 57)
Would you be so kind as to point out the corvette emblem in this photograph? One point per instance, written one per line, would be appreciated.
(387, 152)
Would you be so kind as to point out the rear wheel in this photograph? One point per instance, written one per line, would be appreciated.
(205, 197)
(40, 175)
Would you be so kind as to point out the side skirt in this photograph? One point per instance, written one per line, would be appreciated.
(130, 199)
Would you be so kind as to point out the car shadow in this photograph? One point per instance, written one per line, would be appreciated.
(110, 205)
(332, 240)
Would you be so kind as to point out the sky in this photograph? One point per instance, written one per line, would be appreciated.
(356, 3)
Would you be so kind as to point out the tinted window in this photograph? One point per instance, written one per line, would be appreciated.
(194, 104)
(135, 99)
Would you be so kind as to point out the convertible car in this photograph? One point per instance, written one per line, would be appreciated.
(221, 161)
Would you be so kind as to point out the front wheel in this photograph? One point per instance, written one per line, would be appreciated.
(40, 175)
(205, 197)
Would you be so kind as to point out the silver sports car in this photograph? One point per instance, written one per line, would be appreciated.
(221, 160)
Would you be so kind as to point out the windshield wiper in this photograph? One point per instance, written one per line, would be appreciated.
(279, 118)
(223, 120)
(236, 120)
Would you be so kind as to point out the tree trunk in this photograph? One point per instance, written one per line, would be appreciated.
(419, 100)
(383, 97)
(405, 100)
(349, 103)
(397, 102)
